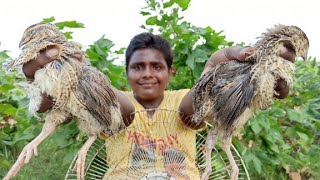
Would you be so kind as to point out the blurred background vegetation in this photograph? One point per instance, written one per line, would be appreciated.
(282, 142)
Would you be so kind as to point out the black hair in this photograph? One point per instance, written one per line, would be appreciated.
(151, 41)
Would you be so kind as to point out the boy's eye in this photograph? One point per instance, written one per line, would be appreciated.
(157, 67)
(137, 67)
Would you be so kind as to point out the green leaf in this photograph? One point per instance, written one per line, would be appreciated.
(8, 109)
(191, 61)
(275, 148)
(183, 3)
(4, 55)
(68, 35)
(255, 126)
(197, 70)
(27, 137)
(5, 163)
(303, 136)
(168, 4)
(151, 20)
(48, 20)
(256, 163)
(201, 55)
(120, 51)
(291, 132)
(69, 24)
(144, 13)
(264, 123)
(68, 157)
(278, 112)
(295, 115)
(286, 147)
(5, 88)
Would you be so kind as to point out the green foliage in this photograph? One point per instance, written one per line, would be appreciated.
(55, 154)
(63, 25)
(101, 56)
(13, 118)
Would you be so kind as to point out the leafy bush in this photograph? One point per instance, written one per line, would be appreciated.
(16, 125)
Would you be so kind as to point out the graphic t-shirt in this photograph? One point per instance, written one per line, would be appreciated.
(154, 145)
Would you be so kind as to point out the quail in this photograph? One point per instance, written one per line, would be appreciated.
(229, 94)
(77, 89)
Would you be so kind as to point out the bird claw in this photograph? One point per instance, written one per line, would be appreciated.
(28, 151)
(205, 175)
(234, 176)
(80, 163)
(79, 166)
(235, 173)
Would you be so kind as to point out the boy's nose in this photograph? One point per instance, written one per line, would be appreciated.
(148, 72)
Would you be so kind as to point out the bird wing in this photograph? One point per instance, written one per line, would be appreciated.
(233, 92)
(95, 93)
(202, 88)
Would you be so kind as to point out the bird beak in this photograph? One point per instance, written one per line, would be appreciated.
(21, 44)
(304, 57)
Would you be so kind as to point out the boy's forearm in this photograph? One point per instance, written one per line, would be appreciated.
(187, 111)
(126, 106)
(226, 54)
(216, 58)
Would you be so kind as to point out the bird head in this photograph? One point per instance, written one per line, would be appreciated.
(291, 37)
(299, 41)
(39, 31)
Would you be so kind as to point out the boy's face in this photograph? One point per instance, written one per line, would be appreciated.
(148, 74)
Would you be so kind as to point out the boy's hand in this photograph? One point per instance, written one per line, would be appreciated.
(230, 53)
(46, 103)
(238, 53)
(282, 88)
(45, 57)
(29, 69)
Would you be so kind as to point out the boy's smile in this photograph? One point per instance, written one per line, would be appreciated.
(148, 75)
(147, 85)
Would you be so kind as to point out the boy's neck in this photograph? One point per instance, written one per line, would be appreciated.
(150, 104)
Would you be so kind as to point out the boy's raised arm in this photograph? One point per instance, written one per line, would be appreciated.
(222, 55)
(51, 54)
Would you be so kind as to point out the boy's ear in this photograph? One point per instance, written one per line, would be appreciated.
(172, 71)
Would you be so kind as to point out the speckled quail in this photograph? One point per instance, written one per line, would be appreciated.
(77, 89)
(228, 95)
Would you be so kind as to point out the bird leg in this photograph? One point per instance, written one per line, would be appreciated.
(31, 149)
(210, 143)
(79, 166)
(226, 144)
